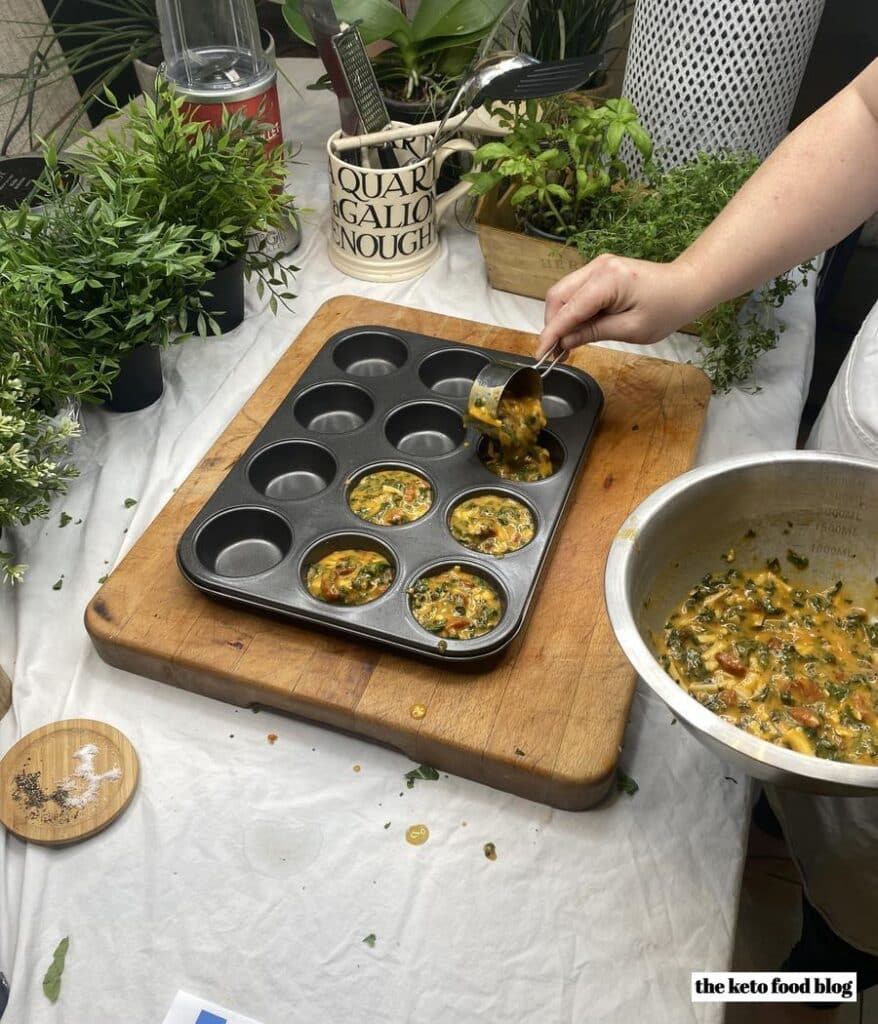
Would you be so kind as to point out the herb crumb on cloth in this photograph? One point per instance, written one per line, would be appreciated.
(490, 851)
(52, 979)
(130, 502)
(59, 583)
(370, 940)
(424, 772)
(625, 784)
(64, 520)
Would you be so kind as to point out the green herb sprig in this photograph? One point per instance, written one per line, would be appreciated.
(52, 978)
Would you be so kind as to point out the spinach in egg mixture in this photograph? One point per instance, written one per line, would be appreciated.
(514, 453)
(350, 577)
(492, 524)
(391, 497)
(787, 662)
(455, 604)
(518, 423)
(532, 465)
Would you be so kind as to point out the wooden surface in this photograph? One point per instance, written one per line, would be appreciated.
(516, 262)
(546, 722)
(43, 763)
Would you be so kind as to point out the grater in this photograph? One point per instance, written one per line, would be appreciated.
(363, 86)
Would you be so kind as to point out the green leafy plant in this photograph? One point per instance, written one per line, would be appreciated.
(555, 29)
(53, 370)
(424, 54)
(33, 452)
(559, 158)
(561, 169)
(659, 222)
(220, 179)
(109, 277)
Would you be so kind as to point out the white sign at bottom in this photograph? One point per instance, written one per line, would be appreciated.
(189, 1009)
(774, 987)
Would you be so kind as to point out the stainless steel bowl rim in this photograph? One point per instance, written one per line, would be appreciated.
(686, 708)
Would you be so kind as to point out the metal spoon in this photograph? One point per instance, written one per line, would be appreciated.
(498, 379)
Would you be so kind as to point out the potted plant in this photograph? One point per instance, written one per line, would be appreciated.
(222, 181)
(558, 178)
(112, 282)
(420, 58)
(555, 29)
(558, 159)
(33, 466)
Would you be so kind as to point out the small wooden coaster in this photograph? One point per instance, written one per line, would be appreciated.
(66, 781)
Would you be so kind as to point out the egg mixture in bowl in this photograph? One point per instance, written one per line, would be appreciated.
(744, 594)
(789, 661)
(391, 497)
(495, 524)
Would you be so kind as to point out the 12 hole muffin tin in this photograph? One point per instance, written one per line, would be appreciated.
(379, 398)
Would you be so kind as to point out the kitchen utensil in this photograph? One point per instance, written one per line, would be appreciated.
(363, 87)
(498, 378)
(377, 399)
(323, 24)
(519, 77)
(818, 503)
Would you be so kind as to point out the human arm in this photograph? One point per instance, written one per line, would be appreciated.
(813, 190)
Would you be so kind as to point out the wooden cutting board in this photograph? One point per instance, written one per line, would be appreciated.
(546, 722)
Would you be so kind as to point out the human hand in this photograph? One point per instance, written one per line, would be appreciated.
(617, 299)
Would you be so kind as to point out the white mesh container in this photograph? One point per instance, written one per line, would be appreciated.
(717, 74)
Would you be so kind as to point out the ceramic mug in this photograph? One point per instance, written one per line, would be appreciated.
(384, 222)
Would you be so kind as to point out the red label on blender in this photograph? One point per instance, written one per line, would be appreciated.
(263, 107)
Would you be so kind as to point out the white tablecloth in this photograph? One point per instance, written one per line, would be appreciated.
(250, 872)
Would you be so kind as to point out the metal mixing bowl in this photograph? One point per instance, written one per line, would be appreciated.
(821, 505)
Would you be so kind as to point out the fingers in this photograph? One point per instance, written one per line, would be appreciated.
(616, 327)
(587, 302)
(563, 290)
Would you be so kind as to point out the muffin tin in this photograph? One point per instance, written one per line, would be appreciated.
(378, 398)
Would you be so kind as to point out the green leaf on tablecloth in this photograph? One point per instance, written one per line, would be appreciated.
(130, 502)
(52, 979)
(625, 784)
(370, 940)
(58, 584)
(65, 519)
(424, 771)
(387, 824)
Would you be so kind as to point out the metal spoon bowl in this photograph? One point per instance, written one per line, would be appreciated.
(499, 379)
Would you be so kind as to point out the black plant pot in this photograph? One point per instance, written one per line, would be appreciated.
(225, 301)
(548, 236)
(139, 383)
(19, 175)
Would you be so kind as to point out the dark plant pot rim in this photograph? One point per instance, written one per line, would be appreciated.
(531, 229)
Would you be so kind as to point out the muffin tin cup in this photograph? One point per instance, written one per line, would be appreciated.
(378, 398)
(494, 490)
(378, 467)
